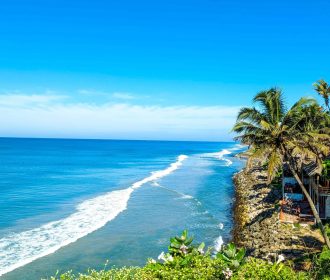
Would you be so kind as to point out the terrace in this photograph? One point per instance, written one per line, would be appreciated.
(295, 207)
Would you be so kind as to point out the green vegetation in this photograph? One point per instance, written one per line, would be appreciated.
(279, 136)
(323, 89)
(326, 168)
(231, 256)
(193, 263)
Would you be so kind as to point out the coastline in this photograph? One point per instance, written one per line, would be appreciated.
(256, 224)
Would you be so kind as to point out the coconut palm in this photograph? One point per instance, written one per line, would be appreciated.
(314, 119)
(277, 136)
(323, 89)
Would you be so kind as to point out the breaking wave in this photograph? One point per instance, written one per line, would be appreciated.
(221, 156)
(19, 249)
(218, 244)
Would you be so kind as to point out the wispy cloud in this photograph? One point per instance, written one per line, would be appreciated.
(123, 95)
(47, 116)
(108, 95)
(32, 100)
(93, 92)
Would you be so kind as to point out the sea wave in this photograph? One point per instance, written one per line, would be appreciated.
(238, 147)
(218, 244)
(221, 156)
(19, 249)
(180, 194)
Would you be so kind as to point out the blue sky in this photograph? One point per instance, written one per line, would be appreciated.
(152, 69)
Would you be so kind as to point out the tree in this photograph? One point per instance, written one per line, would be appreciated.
(323, 89)
(315, 119)
(278, 136)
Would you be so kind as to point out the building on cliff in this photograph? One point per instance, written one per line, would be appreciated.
(318, 185)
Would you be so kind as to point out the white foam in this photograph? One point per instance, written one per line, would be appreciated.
(218, 244)
(237, 147)
(221, 156)
(19, 249)
(220, 226)
(199, 213)
(203, 226)
(228, 162)
(187, 196)
(241, 146)
(223, 153)
(155, 184)
(181, 195)
(161, 173)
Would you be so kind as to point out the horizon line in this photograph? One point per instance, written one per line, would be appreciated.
(111, 139)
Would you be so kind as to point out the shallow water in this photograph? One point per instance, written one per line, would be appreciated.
(74, 204)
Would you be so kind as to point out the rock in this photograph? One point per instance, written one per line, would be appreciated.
(256, 223)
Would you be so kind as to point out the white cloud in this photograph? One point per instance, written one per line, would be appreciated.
(46, 116)
(123, 95)
(93, 92)
(117, 95)
(24, 100)
(86, 91)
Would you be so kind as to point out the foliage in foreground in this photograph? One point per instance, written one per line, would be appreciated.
(189, 262)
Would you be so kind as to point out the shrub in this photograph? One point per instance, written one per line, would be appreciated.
(326, 168)
(130, 273)
(321, 268)
(232, 256)
(197, 267)
(181, 246)
(261, 270)
(185, 261)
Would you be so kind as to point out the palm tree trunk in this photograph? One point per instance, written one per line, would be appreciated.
(312, 206)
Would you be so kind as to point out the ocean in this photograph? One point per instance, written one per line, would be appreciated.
(78, 204)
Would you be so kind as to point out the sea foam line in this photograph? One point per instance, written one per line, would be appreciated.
(19, 249)
(221, 155)
(218, 243)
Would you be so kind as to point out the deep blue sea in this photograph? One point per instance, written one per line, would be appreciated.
(74, 204)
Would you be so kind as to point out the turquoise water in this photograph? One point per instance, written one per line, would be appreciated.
(74, 204)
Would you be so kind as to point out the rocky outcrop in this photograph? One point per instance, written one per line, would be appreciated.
(256, 221)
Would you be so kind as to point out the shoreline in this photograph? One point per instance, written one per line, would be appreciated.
(256, 224)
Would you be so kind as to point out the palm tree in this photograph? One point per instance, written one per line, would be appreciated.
(323, 89)
(276, 136)
(315, 119)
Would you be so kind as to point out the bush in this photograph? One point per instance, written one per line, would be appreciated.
(261, 270)
(199, 268)
(181, 246)
(321, 268)
(232, 256)
(130, 273)
(194, 267)
(185, 261)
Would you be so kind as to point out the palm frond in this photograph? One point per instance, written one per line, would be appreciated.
(274, 165)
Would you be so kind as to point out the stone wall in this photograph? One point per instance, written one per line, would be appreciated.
(256, 221)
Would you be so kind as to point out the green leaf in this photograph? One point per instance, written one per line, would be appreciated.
(201, 246)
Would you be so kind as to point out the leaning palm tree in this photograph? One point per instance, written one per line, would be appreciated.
(276, 136)
(323, 89)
